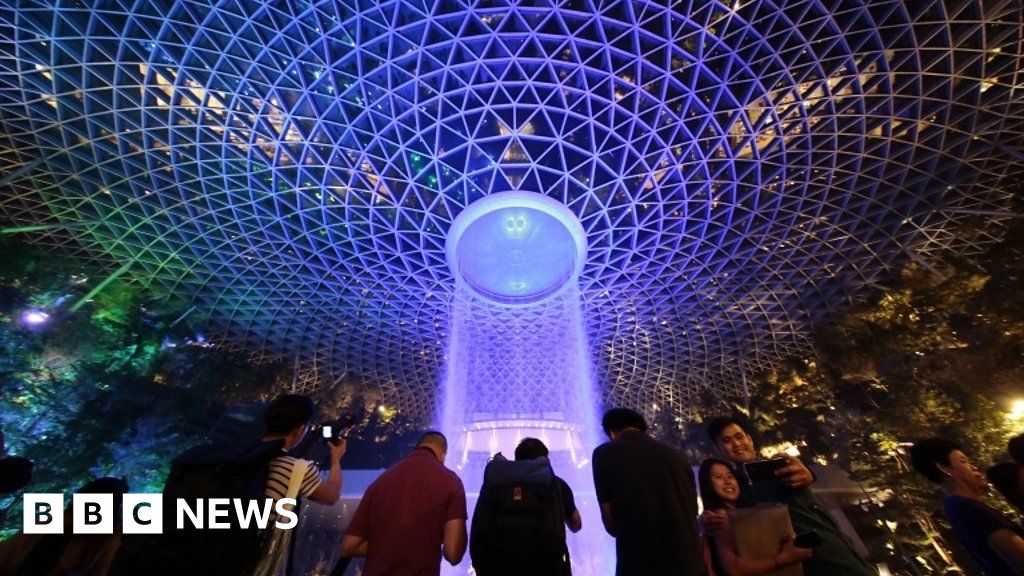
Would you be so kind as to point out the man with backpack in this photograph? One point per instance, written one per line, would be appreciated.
(521, 515)
(533, 448)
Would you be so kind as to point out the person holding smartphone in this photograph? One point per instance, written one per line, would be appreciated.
(720, 492)
(787, 483)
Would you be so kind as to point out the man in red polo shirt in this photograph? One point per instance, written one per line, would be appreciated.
(411, 515)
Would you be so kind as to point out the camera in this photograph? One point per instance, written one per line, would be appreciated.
(338, 428)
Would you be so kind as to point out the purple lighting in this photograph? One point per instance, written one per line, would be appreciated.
(741, 172)
(516, 247)
(518, 362)
(34, 317)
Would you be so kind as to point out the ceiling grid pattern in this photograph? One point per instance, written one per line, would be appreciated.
(743, 169)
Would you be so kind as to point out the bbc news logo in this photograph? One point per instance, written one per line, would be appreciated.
(144, 513)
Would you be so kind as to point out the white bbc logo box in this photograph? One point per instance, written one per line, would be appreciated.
(144, 513)
(93, 513)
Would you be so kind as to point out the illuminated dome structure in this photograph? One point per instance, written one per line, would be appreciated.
(290, 171)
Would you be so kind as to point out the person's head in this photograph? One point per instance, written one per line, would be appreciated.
(107, 485)
(732, 439)
(531, 448)
(289, 417)
(436, 442)
(618, 420)
(15, 474)
(718, 486)
(942, 462)
(1008, 479)
(1016, 448)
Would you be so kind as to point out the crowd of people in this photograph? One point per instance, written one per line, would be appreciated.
(760, 516)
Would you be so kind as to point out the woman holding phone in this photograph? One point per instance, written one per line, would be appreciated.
(720, 492)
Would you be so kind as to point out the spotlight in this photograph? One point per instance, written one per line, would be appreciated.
(34, 317)
(1017, 410)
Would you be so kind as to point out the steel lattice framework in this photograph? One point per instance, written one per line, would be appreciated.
(742, 169)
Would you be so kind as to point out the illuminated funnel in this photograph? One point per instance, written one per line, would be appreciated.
(516, 363)
(516, 248)
(518, 360)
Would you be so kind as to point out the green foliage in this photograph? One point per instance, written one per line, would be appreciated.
(933, 355)
(93, 392)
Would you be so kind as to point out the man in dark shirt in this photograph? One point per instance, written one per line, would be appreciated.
(791, 487)
(995, 543)
(648, 500)
(411, 515)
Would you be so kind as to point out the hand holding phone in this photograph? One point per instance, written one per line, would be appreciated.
(796, 475)
(809, 539)
(762, 470)
(791, 553)
(337, 447)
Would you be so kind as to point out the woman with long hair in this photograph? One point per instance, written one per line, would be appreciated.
(720, 492)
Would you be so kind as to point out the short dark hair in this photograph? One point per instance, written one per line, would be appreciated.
(1005, 478)
(716, 425)
(927, 454)
(708, 498)
(621, 418)
(530, 448)
(287, 412)
(105, 485)
(1016, 448)
(433, 437)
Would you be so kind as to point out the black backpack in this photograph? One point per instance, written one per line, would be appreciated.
(519, 522)
(207, 471)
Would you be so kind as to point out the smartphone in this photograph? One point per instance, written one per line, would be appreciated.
(809, 539)
(327, 432)
(762, 470)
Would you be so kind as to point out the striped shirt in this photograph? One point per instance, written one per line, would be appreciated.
(280, 473)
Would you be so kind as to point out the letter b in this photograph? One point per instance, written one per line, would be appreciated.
(44, 513)
(93, 513)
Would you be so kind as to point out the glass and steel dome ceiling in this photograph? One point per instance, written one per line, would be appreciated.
(291, 170)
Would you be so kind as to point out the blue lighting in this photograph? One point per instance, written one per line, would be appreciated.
(34, 317)
(292, 171)
(516, 254)
(516, 247)
(327, 182)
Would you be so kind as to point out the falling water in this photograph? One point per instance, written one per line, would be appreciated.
(525, 371)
